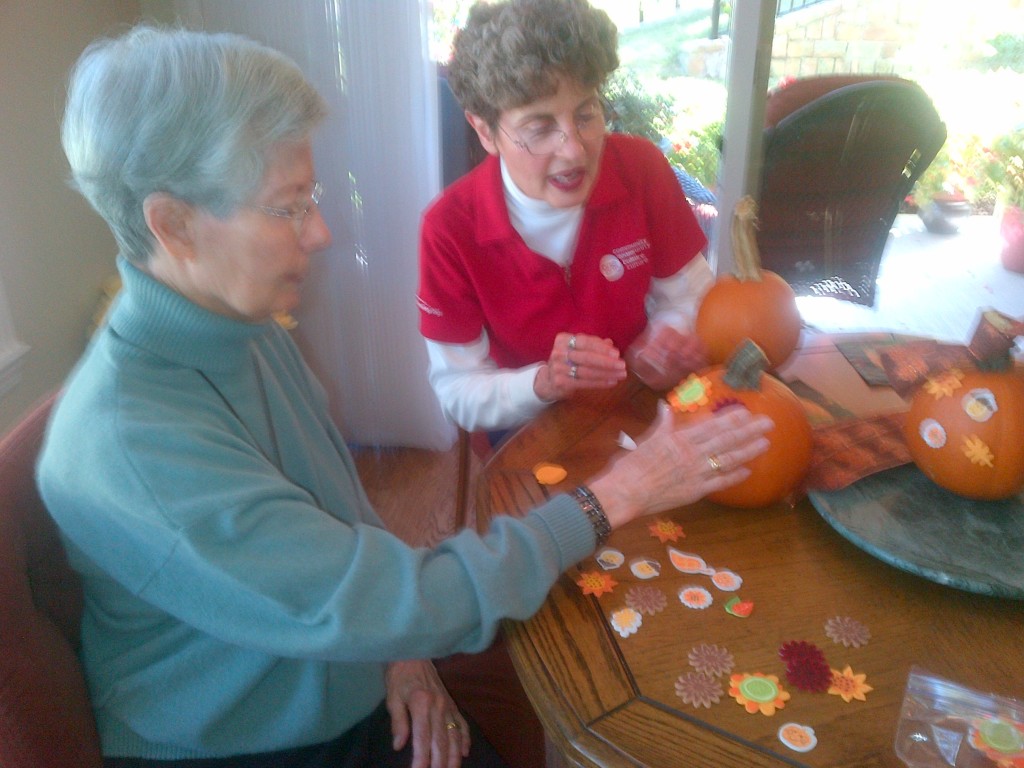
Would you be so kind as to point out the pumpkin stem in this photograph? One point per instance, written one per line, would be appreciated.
(993, 340)
(746, 366)
(996, 363)
(745, 254)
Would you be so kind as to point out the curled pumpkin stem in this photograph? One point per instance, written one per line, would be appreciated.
(745, 253)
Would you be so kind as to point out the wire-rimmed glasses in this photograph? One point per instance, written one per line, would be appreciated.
(549, 139)
(297, 215)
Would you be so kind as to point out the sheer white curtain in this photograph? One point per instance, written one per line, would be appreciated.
(378, 159)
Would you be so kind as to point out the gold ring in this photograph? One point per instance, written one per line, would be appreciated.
(451, 725)
(714, 463)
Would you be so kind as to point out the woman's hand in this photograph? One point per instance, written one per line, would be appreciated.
(677, 465)
(578, 361)
(420, 706)
(661, 356)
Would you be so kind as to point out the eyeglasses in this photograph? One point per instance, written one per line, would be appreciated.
(547, 140)
(297, 215)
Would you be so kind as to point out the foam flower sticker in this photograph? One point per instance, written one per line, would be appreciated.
(1001, 741)
(596, 583)
(757, 692)
(694, 392)
(644, 599)
(698, 690)
(975, 449)
(626, 621)
(665, 531)
(945, 384)
(711, 660)
(847, 631)
(848, 685)
(695, 597)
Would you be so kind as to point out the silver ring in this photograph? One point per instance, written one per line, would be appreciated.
(572, 342)
(451, 725)
(573, 371)
(714, 463)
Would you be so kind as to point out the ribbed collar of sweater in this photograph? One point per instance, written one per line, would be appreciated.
(158, 320)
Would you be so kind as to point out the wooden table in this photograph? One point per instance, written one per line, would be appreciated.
(606, 700)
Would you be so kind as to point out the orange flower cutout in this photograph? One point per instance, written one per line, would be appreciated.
(758, 692)
(1000, 740)
(849, 685)
(596, 583)
(666, 530)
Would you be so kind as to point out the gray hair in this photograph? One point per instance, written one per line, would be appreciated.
(190, 114)
(510, 54)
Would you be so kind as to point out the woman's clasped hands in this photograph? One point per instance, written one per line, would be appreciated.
(579, 361)
(660, 357)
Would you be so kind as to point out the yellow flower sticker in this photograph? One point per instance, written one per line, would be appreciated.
(849, 686)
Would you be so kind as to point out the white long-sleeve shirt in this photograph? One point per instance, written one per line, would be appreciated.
(477, 395)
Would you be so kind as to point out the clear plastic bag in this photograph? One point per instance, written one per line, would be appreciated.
(945, 724)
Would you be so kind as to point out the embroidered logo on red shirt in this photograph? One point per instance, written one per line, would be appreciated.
(614, 265)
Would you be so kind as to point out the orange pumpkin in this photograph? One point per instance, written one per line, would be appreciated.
(965, 431)
(752, 303)
(777, 473)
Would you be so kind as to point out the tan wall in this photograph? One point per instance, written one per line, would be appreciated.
(54, 251)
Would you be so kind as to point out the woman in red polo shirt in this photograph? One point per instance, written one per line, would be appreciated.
(568, 255)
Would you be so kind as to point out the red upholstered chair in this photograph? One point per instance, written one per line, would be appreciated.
(840, 155)
(46, 720)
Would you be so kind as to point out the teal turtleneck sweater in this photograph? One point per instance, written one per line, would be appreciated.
(241, 595)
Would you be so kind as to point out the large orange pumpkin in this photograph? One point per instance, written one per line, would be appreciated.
(775, 474)
(752, 303)
(965, 431)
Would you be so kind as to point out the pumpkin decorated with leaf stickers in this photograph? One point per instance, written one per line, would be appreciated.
(965, 431)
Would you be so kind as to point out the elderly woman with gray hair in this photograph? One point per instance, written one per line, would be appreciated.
(244, 605)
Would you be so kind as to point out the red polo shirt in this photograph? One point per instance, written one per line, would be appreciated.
(476, 272)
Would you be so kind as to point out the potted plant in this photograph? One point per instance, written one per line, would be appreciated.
(1006, 169)
(954, 185)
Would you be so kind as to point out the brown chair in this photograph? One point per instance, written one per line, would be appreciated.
(841, 153)
(46, 720)
(470, 445)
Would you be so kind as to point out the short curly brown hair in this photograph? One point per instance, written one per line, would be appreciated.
(510, 53)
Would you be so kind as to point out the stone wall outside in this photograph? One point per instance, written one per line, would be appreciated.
(910, 38)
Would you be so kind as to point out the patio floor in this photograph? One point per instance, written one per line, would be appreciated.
(929, 284)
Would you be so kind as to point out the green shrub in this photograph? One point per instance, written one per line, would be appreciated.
(700, 153)
(632, 110)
